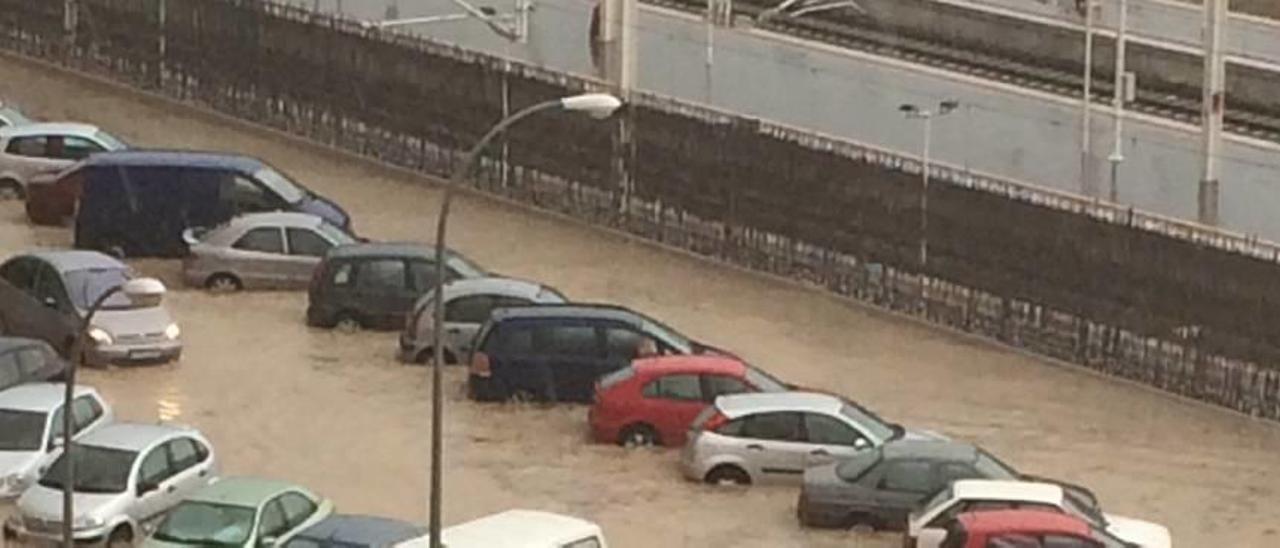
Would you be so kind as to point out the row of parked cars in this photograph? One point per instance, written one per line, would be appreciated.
(647, 383)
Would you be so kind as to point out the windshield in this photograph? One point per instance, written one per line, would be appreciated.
(878, 428)
(943, 495)
(21, 430)
(1082, 509)
(206, 524)
(764, 381)
(98, 469)
(335, 234)
(85, 286)
(110, 141)
(288, 191)
(670, 336)
(991, 468)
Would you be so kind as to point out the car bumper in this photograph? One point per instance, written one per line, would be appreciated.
(408, 352)
(154, 352)
(818, 514)
(690, 466)
(602, 430)
(16, 531)
(483, 388)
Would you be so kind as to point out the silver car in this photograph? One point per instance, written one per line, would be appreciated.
(127, 477)
(276, 250)
(44, 295)
(467, 304)
(10, 115)
(28, 150)
(774, 436)
(31, 429)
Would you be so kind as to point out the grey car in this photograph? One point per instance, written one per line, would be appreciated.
(25, 360)
(44, 295)
(877, 489)
(127, 476)
(11, 115)
(28, 150)
(275, 250)
(467, 304)
(31, 429)
(775, 436)
(354, 531)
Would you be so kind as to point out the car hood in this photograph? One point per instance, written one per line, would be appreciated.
(821, 482)
(923, 435)
(18, 461)
(133, 321)
(325, 209)
(43, 503)
(1145, 534)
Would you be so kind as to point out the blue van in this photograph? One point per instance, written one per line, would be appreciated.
(138, 203)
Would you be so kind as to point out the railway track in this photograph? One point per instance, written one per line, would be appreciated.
(1257, 125)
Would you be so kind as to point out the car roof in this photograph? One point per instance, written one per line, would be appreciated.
(69, 260)
(737, 405)
(980, 489)
(188, 158)
(242, 490)
(496, 285)
(1023, 521)
(517, 529)
(131, 436)
(568, 310)
(47, 128)
(11, 343)
(281, 218)
(395, 249)
(359, 530)
(38, 396)
(940, 450)
(703, 363)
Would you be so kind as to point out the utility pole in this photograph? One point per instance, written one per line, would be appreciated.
(70, 20)
(1215, 15)
(1086, 114)
(618, 38)
(1121, 95)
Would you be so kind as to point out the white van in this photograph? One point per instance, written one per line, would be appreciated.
(525, 529)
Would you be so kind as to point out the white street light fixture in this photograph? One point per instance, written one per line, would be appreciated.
(140, 292)
(917, 113)
(596, 105)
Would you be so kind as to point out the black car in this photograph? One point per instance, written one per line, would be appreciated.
(354, 531)
(25, 360)
(556, 352)
(374, 285)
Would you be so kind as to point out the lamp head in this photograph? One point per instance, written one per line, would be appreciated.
(596, 105)
(144, 291)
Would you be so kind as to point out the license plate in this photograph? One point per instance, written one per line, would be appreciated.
(144, 354)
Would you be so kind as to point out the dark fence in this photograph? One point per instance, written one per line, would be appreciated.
(1184, 308)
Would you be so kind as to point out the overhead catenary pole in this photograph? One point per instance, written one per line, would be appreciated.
(1086, 113)
(1215, 14)
(1121, 95)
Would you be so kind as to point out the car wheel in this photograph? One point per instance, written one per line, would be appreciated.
(347, 322)
(223, 283)
(121, 537)
(10, 190)
(728, 474)
(522, 395)
(638, 435)
(428, 355)
(862, 524)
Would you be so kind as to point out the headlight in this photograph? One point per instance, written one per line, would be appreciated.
(15, 483)
(173, 332)
(86, 522)
(100, 335)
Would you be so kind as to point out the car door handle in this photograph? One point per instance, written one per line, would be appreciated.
(203, 473)
(168, 489)
(755, 447)
(820, 453)
(453, 330)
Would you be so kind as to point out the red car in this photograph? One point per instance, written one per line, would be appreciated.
(654, 401)
(1025, 529)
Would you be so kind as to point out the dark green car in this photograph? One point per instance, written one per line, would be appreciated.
(240, 512)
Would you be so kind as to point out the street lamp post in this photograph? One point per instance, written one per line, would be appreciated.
(916, 112)
(1121, 95)
(141, 291)
(598, 105)
(1086, 114)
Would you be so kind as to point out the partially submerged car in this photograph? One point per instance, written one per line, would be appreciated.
(46, 294)
(25, 360)
(28, 150)
(927, 525)
(11, 115)
(241, 512)
(525, 529)
(467, 305)
(31, 424)
(276, 250)
(1026, 529)
(355, 531)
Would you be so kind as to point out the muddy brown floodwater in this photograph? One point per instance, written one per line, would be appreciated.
(336, 412)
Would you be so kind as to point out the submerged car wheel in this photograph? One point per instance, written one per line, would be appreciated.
(638, 435)
(862, 524)
(728, 474)
(223, 283)
(428, 355)
(10, 190)
(347, 322)
(121, 537)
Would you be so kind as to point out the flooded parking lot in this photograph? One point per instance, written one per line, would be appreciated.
(336, 412)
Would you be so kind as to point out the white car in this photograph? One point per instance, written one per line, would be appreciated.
(29, 150)
(127, 476)
(926, 526)
(31, 429)
(524, 529)
(773, 436)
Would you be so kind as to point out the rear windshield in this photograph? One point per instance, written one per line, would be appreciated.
(702, 418)
(992, 468)
(335, 234)
(21, 430)
(289, 191)
(86, 286)
(764, 381)
(110, 141)
(608, 381)
(98, 469)
(877, 426)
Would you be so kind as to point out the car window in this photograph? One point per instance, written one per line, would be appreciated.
(1065, 541)
(380, 276)
(589, 542)
(566, 340)
(155, 467)
(909, 476)
(262, 239)
(719, 385)
(511, 340)
(307, 243)
(731, 428)
(78, 148)
(779, 426)
(20, 273)
(469, 309)
(185, 453)
(273, 521)
(674, 387)
(952, 471)
(297, 508)
(342, 274)
(423, 275)
(31, 359)
(1014, 541)
(246, 195)
(854, 467)
(9, 372)
(830, 431)
(48, 287)
(85, 410)
(33, 146)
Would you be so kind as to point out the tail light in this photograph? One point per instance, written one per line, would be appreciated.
(480, 364)
(709, 419)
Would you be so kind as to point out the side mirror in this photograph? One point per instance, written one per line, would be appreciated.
(861, 443)
(50, 302)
